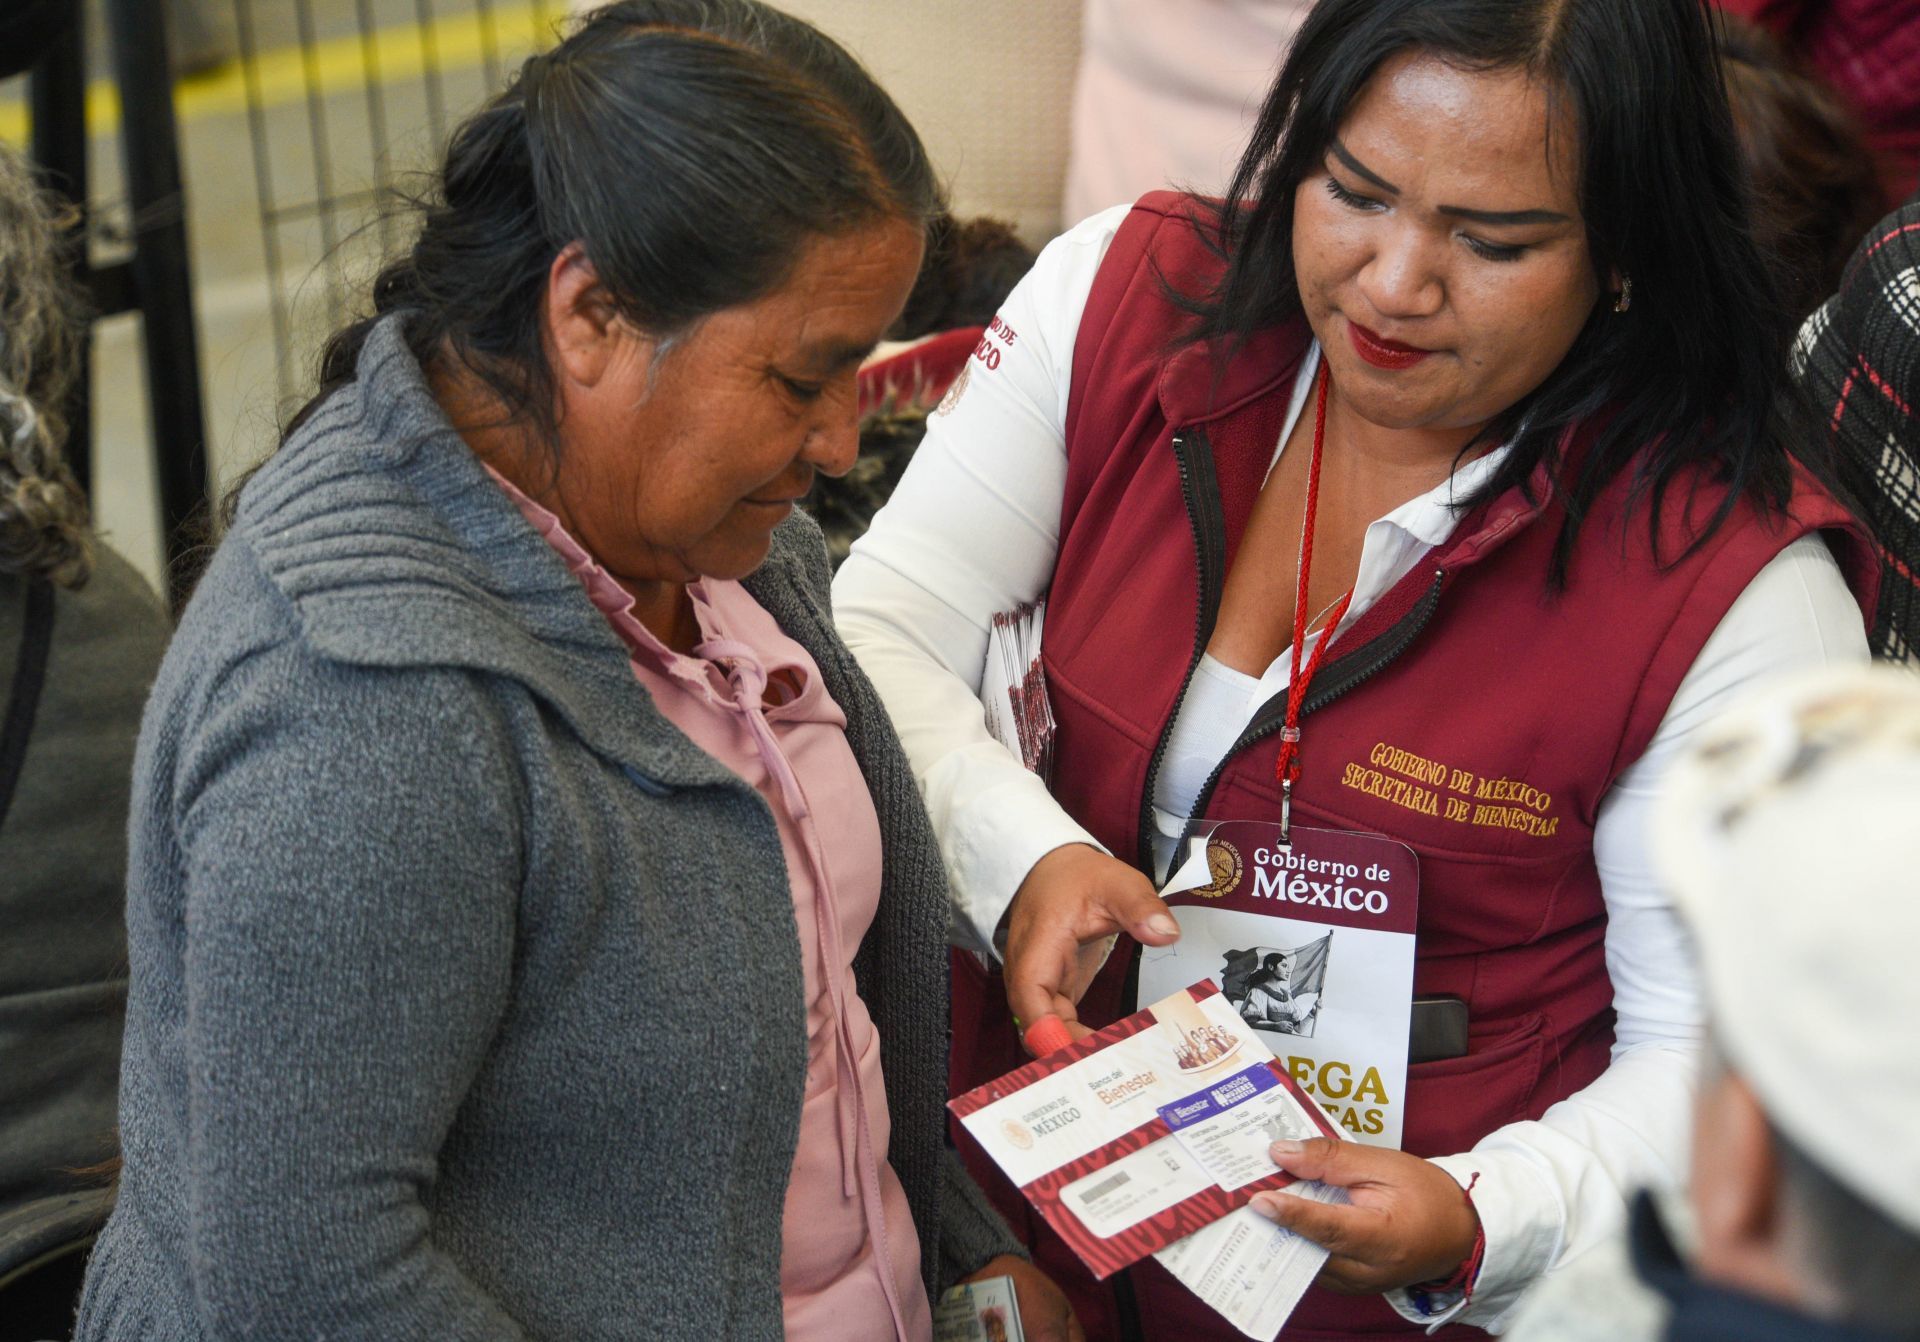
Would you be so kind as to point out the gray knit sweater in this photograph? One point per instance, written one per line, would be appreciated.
(466, 993)
(63, 870)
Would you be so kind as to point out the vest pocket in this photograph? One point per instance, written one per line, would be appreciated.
(1454, 1102)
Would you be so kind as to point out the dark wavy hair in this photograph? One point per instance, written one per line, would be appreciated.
(693, 148)
(45, 529)
(1816, 187)
(1694, 371)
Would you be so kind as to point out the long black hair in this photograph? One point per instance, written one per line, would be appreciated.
(1694, 371)
(692, 147)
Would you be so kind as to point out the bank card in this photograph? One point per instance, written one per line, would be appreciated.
(1229, 1126)
(1147, 1131)
(979, 1311)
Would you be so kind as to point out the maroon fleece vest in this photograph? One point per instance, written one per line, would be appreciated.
(1473, 713)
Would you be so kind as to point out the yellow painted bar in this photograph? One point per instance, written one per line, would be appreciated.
(339, 65)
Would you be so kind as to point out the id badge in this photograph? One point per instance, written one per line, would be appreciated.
(1313, 943)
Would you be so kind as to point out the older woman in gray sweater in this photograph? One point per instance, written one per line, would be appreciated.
(535, 930)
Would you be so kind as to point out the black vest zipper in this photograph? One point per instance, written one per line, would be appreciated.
(1201, 491)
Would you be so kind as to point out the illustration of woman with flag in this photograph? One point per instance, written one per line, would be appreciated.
(1283, 992)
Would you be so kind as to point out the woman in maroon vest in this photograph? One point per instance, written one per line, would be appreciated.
(1488, 265)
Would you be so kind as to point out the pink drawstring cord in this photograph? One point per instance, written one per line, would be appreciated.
(859, 1169)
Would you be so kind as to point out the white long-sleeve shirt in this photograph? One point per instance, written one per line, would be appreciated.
(974, 529)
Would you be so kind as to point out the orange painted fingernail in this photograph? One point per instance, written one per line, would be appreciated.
(1047, 1035)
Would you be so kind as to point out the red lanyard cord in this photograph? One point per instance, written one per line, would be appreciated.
(1286, 766)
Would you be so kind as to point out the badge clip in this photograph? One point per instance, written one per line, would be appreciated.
(1289, 757)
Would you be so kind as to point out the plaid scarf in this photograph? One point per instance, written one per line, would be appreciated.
(1858, 361)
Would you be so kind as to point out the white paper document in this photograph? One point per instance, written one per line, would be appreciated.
(1247, 1269)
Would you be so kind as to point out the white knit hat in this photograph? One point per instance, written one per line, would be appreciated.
(1789, 836)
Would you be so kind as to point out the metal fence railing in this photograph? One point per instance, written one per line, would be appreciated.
(131, 258)
(343, 118)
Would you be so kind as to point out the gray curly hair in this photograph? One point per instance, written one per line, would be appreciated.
(44, 527)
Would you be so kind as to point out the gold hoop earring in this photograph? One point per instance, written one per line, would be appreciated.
(1624, 299)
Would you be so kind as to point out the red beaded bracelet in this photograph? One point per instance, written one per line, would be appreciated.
(1464, 1276)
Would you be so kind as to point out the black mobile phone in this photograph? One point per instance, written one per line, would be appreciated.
(1437, 1029)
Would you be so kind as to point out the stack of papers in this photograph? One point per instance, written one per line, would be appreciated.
(1013, 687)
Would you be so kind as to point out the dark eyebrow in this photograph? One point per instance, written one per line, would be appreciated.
(1495, 217)
(1505, 216)
(1355, 166)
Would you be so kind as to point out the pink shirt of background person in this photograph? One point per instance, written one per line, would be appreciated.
(1166, 93)
(753, 699)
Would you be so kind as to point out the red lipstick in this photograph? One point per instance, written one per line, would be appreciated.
(1381, 352)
